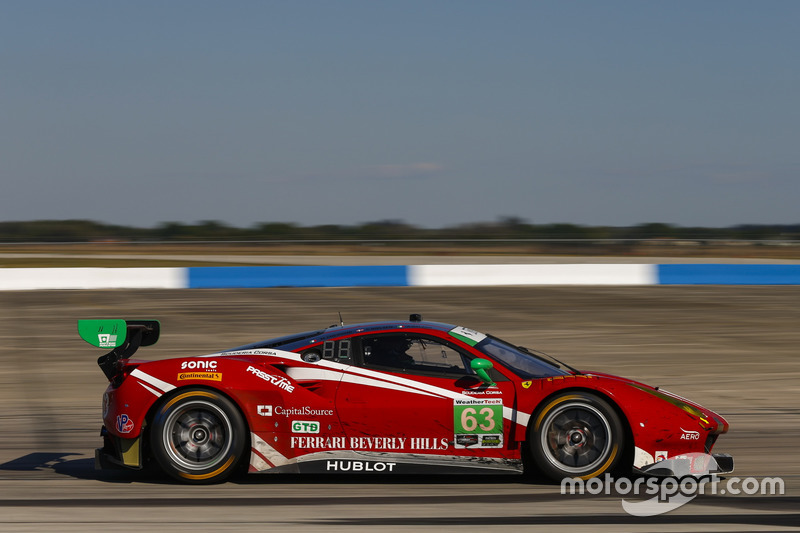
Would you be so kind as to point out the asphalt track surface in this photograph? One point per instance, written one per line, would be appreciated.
(733, 349)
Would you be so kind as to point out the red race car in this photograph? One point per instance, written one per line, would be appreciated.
(385, 397)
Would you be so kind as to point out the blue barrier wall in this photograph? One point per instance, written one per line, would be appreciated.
(297, 276)
(397, 276)
(703, 274)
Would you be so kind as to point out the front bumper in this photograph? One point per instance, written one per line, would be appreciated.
(690, 465)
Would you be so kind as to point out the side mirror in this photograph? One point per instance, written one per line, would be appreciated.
(480, 366)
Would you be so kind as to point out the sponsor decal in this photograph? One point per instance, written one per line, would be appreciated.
(103, 333)
(210, 376)
(690, 435)
(479, 441)
(469, 392)
(527, 384)
(199, 365)
(466, 335)
(300, 426)
(423, 443)
(370, 443)
(694, 463)
(106, 340)
(253, 352)
(491, 441)
(477, 402)
(264, 410)
(106, 404)
(295, 411)
(478, 423)
(124, 424)
(661, 456)
(358, 466)
(319, 443)
(279, 381)
(465, 441)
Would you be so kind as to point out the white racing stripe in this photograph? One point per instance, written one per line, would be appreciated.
(157, 394)
(155, 382)
(369, 382)
(313, 374)
(330, 371)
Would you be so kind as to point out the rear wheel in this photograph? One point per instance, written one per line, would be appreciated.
(576, 434)
(198, 436)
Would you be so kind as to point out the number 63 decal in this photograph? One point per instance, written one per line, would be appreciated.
(471, 419)
(478, 417)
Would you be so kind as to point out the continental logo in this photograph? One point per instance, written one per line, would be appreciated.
(208, 376)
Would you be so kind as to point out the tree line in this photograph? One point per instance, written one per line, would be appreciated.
(507, 228)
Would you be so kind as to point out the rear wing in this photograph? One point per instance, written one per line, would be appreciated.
(124, 337)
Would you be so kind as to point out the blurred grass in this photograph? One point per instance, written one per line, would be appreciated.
(68, 262)
(184, 254)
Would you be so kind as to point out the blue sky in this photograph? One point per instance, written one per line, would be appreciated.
(433, 112)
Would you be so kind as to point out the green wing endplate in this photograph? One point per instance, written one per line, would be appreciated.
(112, 333)
(123, 337)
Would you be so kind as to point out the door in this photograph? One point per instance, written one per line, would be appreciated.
(415, 395)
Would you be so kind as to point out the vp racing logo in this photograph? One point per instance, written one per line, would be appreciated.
(124, 424)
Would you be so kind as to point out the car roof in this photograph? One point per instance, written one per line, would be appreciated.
(291, 341)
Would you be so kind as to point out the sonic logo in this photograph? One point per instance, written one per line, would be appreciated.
(124, 424)
(199, 365)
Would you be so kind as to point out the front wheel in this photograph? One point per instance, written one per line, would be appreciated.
(198, 436)
(577, 435)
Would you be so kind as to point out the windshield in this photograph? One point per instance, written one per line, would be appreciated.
(523, 364)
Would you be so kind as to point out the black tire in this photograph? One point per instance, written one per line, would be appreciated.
(576, 435)
(198, 436)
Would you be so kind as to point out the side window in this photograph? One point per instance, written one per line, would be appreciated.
(415, 355)
(338, 351)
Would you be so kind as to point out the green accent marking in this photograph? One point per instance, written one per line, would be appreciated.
(466, 335)
(465, 340)
(108, 333)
